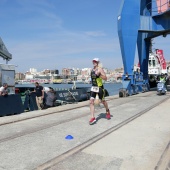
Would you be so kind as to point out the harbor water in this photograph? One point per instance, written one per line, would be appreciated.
(112, 88)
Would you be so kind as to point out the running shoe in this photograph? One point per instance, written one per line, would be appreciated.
(92, 120)
(108, 114)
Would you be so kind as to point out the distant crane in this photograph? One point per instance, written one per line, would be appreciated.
(4, 52)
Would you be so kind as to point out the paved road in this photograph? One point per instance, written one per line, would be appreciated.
(136, 137)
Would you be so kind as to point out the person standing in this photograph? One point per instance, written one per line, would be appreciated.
(97, 75)
(39, 91)
(3, 90)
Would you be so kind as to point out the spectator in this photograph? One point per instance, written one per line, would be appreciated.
(50, 99)
(39, 91)
(3, 90)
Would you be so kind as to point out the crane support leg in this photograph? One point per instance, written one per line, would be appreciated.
(136, 27)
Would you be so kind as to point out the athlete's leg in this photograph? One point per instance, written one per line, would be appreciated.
(104, 102)
(102, 98)
(92, 107)
(92, 97)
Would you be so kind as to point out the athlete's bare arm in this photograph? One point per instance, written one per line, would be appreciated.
(102, 74)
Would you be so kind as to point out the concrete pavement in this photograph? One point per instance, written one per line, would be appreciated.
(141, 144)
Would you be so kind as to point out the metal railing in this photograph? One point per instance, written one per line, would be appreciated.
(161, 7)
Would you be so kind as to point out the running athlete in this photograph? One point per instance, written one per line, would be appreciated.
(97, 74)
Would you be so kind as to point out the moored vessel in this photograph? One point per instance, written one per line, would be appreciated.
(156, 66)
(64, 96)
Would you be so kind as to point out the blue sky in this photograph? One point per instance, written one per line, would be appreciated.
(56, 34)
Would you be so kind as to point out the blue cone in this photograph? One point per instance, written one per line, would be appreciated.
(69, 137)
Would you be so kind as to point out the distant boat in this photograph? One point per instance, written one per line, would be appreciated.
(64, 81)
(70, 82)
(24, 82)
(57, 81)
(79, 82)
(65, 96)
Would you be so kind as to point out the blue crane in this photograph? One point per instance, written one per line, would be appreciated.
(138, 22)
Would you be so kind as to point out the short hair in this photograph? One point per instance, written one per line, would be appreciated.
(5, 84)
(36, 83)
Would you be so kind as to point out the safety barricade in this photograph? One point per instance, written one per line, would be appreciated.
(30, 102)
(10, 105)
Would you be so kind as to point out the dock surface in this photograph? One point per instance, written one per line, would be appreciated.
(137, 137)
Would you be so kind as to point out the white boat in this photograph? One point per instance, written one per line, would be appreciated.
(156, 66)
(157, 63)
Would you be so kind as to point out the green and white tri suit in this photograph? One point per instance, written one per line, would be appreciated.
(97, 86)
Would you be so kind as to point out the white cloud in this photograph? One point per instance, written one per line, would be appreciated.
(65, 47)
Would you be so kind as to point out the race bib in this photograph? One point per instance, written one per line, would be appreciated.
(95, 89)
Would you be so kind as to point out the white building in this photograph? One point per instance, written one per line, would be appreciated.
(33, 70)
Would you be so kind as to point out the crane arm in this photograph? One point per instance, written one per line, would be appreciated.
(4, 52)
